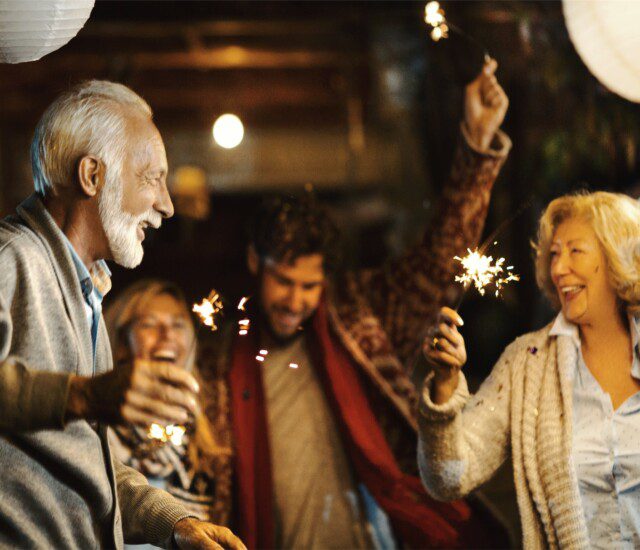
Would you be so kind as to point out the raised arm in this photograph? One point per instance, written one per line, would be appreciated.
(406, 293)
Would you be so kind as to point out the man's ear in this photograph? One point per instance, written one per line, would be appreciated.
(253, 260)
(91, 174)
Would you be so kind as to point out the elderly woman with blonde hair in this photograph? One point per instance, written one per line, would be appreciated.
(563, 402)
(150, 320)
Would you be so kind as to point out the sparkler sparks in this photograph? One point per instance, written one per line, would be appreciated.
(434, 17)
(243, 326)
(171, 433)
(481, 271)
(208, 309)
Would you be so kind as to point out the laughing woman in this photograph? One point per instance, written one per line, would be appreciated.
(150, 321)
(564, 402)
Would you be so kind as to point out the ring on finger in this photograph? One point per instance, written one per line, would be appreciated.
(434, 343)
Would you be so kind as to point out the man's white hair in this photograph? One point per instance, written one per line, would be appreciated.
(89, 119)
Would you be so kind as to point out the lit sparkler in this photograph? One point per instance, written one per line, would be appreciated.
(208, 309)
(172, 432)
(481, 271)
(435, 17)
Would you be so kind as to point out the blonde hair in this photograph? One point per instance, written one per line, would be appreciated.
(615, 219)
(122, 312)
(89, 119)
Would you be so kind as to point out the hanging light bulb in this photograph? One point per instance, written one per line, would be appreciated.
(228, 131)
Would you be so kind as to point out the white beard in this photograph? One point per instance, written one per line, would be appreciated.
(121, 227)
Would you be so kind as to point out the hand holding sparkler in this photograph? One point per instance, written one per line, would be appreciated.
(207, 310)
(444, 349)
(138, 392)
(485, 106)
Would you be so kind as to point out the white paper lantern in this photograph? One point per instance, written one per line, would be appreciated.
(30, 29)
(606, 34)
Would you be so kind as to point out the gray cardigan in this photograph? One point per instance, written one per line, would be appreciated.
(59, 487)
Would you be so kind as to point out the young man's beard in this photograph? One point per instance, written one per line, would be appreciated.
(283, 339)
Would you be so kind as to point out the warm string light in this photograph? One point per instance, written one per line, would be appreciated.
(481, 271)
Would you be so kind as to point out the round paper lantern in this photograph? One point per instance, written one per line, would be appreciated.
(30, 29)
(606, 34)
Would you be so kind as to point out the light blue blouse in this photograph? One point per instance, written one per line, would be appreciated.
(605, 451)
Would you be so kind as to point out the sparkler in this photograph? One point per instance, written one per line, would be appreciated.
(481, 271)
(172, 432)
(207, 311)
(481, 266)
(435, 17)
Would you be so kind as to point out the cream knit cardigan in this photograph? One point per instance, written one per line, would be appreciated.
(524, 409)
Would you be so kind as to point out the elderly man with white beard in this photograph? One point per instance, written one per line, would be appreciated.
(100, 170)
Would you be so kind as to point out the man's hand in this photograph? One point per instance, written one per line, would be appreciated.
(485, 106)
(140, 392)
(190, 533)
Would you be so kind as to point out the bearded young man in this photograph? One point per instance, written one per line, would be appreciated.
(100, 169)
(324, 429)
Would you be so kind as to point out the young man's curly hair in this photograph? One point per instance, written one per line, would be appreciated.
(286, 228)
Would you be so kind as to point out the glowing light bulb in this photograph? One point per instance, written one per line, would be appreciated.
(228, 131)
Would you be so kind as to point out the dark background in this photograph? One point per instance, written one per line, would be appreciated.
(354, 99)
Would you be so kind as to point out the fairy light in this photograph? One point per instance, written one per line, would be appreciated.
(293, 365)
(481, 271)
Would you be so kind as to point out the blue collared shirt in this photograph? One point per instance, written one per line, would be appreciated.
(94, 286)
(605, 450)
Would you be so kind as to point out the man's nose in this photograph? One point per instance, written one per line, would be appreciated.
(163, 203)
(295, 300)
